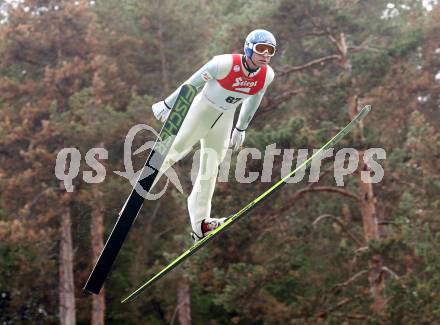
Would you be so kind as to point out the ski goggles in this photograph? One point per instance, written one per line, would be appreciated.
(263, 48)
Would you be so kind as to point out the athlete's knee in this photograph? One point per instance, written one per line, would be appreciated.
(209, 164)
(177, 152)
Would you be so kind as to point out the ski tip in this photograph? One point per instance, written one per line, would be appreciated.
(364, 111)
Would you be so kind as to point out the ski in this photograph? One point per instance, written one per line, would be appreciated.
(146, 179)
(233, 218)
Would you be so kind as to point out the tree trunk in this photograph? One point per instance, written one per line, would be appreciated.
(367, 204)
(97, 241)
(184, 302)
(369, 220)
(377, 283)
(163, 60)
(371, 232)
(67, 288)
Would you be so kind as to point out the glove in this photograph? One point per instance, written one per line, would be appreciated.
(161, 111)
(237, 138)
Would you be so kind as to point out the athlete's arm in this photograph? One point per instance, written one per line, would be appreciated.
(198, 79)
(251, 104)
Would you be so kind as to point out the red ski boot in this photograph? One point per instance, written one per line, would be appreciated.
(207, 226)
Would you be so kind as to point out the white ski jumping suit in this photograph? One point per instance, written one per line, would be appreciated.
(226, 84)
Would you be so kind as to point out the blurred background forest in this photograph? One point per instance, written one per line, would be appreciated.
(82, 73)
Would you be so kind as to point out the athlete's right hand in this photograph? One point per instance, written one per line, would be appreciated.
(237, 139)
(161, 111)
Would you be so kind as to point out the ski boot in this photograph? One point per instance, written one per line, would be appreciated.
(207, 226)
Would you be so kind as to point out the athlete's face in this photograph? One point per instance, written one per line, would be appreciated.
(260, 59)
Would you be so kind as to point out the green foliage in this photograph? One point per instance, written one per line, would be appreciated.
(289, 133)
(82, 75)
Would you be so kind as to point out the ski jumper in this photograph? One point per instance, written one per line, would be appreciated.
(226, 84)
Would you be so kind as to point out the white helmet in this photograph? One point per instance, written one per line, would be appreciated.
(258, 36)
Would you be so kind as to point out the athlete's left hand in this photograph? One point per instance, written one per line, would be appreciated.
(237, 139)
(161, 111)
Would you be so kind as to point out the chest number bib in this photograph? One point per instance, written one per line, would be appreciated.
(232, 100)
